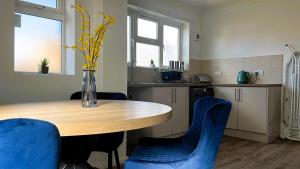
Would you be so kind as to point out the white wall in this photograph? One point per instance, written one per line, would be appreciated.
(176, 10)
(115, 47)
(111, 74)
(250, 28)
(16, 87)
(113, 65)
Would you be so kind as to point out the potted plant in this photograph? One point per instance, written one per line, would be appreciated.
(45, 66)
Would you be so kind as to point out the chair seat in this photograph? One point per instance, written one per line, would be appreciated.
(161, 154)
(197, 149)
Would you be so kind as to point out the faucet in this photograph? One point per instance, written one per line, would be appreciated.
(154, 74)
(154, 71)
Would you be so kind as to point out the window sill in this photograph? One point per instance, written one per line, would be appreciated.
(39, 74)
(160, 68)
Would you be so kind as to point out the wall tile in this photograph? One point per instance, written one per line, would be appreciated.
(254, 61)
(276, 60)
(271, 65)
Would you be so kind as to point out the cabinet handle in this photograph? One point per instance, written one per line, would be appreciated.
(235, 95)
(172, 93)
(240, 95)
(175, 98)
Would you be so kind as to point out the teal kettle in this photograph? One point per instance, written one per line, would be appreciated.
(243, 77)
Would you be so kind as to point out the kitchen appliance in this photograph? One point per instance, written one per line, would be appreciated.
(196, 93)
(290, 121)
(176, 66)
(174, 73)
(243, 77)
(172, 65)
(203, 78)
(181, 66)
(169, 76)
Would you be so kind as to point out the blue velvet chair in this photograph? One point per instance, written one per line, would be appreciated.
(29, 144)
(197, 149)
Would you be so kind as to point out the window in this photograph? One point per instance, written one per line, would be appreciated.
(153, 38)
(39, 34)
(48, 3)
(145, 53)
(171, 44)
(147, 29)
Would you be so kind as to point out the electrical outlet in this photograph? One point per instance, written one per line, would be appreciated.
(259, 72)
(217, 74)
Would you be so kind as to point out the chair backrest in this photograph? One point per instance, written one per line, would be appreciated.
(212, 116)
(201, 107)
(102, 96)
(29, 144)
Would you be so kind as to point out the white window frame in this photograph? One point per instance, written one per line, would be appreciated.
(57, 13)
(179, 27)
(161, 21)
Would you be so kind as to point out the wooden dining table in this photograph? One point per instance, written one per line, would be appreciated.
(107, 117)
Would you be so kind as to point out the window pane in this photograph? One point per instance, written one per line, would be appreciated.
(171, 44)
(128, 39)
(144, 54)
(37, 38)
(49, 3)
(147, 29)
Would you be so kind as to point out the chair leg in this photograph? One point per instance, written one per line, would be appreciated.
(109, 160)
(117, 159)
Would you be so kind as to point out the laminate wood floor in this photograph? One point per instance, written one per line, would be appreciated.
(237, 153)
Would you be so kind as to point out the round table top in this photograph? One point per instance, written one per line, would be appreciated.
(109, 116)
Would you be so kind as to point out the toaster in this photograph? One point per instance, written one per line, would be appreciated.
(204, 78)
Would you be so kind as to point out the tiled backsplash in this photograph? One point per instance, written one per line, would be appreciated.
(270, 65)
(142, 74)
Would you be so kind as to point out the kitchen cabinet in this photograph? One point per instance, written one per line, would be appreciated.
(180, 119)
(252, 109)
(163, 96)
(175, 97)
(229, 94)
(255, 112)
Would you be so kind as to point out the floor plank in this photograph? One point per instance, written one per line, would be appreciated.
(237, 153)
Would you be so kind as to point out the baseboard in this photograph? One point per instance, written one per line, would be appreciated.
(247, 135)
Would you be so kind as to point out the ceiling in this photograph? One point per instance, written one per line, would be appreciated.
(208, 3)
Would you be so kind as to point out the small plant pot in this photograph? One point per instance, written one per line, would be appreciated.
(45, 70)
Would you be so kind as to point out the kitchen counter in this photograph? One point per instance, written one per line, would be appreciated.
(162, 84)
(247, 85)
(197, 84)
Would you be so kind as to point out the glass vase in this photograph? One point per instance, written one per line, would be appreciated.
(89, 92)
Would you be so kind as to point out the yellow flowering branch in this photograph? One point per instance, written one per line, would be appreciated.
(90, 45)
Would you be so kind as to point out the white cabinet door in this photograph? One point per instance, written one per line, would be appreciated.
(253, 110)
(229, 93)
(162, 95)
(180, 119)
